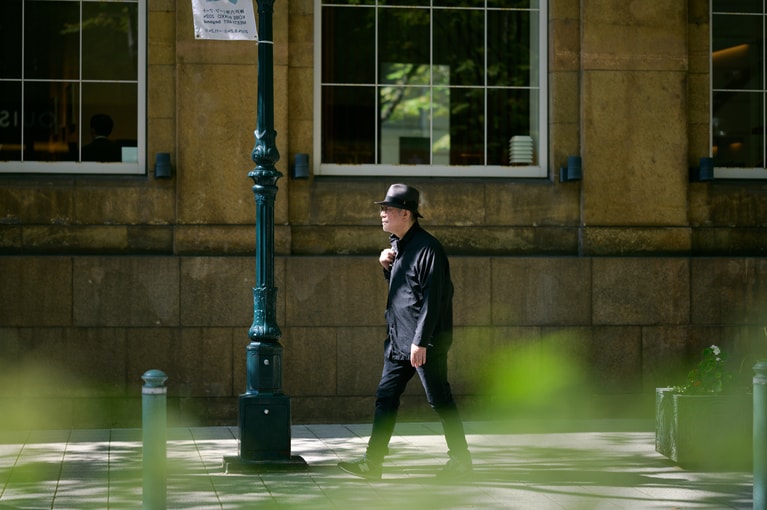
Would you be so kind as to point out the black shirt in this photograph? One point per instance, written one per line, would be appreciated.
(419, 309)
(102, 149)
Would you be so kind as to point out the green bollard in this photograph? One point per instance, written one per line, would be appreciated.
(154, 418)
(760, 435)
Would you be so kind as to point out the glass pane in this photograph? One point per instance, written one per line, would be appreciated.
(510, 43)
(508, 116)
(405, 125)
(514, 4)
(404, 74)
(458, 44)
(403, 36)
(412, 3)
(110, 41)
(10, 121)
(467, 132)
(737, 52)
(752, 6)
(440, 125)
(348, 45)
(348, 125)
(10, 40)
(458, 3)
(738, 129)
(51, 40)
(50, 121)
(348, 2)
(109, 121)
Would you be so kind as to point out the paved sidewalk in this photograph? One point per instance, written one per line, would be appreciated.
(612, 466)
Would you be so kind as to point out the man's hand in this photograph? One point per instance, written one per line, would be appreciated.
(387, 258)
(417, 355)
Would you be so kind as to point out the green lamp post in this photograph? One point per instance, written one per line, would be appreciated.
(264, 410)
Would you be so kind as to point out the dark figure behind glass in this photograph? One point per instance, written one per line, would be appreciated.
(101, 148)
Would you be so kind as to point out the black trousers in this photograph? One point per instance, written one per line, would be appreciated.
(433, 374)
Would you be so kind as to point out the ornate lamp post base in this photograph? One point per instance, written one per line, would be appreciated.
(264, 416)
(264, 443)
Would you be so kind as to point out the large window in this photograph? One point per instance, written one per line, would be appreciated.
(738, 88)
(431, 88)
(72, 86)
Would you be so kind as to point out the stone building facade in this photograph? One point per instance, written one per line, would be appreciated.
(628, 273)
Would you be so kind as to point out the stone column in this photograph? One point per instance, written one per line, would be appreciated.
(634, 59)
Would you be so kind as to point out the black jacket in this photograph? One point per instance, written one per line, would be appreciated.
(419, 309)
(102, 149)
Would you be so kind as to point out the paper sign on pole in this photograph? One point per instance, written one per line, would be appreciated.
(224, 20)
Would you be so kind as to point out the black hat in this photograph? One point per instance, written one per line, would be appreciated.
(402, 196)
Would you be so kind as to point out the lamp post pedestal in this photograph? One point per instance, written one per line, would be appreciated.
(263, 421)
(264, 411)
(264, 414)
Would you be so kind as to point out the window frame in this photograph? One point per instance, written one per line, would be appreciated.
(139, 167)
(537, 170)
(724, 172)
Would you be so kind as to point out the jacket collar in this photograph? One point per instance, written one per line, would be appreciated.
(399, 244)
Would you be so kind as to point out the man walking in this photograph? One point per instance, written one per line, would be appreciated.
(419, 318)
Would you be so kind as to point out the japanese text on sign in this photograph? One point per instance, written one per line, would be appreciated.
(224, 20)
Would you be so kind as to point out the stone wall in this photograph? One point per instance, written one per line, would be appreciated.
(613, 283)
(79, 331)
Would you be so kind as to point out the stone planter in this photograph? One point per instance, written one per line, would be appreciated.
(710, 432)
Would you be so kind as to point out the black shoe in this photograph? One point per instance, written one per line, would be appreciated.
(363, 468)
(456, 467)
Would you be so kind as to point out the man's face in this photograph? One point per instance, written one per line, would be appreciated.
(394, 220)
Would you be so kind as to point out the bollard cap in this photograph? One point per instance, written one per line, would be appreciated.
(154, 378)
(760, 373)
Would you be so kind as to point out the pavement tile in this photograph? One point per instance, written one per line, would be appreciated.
(517, 466)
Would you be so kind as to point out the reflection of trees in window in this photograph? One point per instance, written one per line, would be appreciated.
(393, 105)
(462, 77)
(109, 41)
